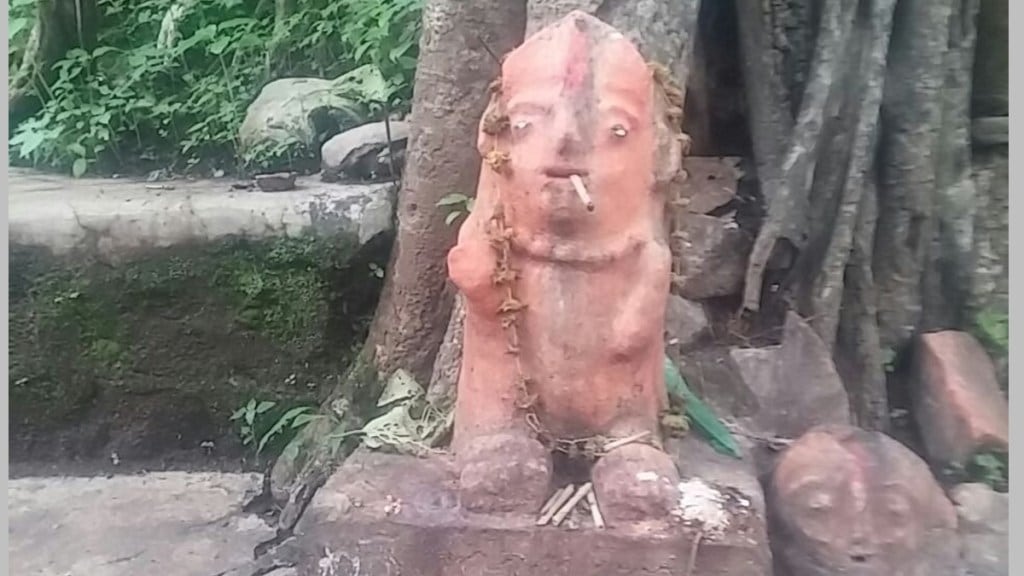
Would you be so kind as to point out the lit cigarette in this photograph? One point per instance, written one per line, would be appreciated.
(581, 191)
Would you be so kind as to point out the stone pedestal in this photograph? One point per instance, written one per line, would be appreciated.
(382, 514)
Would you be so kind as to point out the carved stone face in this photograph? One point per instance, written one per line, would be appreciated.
(580, 100)
(847, 501)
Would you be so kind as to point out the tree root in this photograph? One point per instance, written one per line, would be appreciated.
(827, 292)
(790, 186)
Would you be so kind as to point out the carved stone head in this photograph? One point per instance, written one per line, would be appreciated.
(842, 500)
(577, 98)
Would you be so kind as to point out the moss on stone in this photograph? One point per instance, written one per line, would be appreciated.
(223, 322)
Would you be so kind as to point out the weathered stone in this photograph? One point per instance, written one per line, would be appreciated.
(710, 183)
(842, 500)
(277, 182)
(685, 323)
(354, 152)
(174, 524)
(696, 458)
(712, 254)
(957, 402)
(287, 110)
(796, 384)
(635, 482)
(984, 527)
(119, 219)
(406, 518)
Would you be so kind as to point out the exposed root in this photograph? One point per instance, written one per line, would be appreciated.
(789, 198)
(827, 292)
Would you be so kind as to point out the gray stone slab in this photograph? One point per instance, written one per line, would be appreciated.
(116, 218)
(171, 524)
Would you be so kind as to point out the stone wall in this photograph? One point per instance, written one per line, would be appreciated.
(143, 315)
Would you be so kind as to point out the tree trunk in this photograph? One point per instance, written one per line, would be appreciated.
(457, 61)
(60, 25)
(459, 46)
(871, 179)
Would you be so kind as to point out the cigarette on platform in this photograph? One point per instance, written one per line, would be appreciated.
(581, 191)
(554, 504)
(568, 506)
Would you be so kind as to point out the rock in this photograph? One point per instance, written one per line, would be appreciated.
(429, 533)
(842, 500)
(711, 256)
(984, 528)
(796, 384)
(299, 110)
(277, 182)
(173, 523)
(685, 323)
(956, 398)
(361, 152)
(710, 183)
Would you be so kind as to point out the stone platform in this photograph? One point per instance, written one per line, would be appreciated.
(384, 514)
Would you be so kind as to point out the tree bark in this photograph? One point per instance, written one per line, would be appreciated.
(60, 25)
(454, 69)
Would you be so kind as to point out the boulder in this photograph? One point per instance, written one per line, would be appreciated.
(297, 111)
(356, 153)
(984, 528)
(956, 399)
(711, 256)
(686, 323)
(796, 384)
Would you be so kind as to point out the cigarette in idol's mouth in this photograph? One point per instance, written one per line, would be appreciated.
(581, 191)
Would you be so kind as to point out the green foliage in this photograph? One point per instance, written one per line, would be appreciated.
(990, 468)
(171, 91)
(459, 204)
(262, 424)
(992, 327)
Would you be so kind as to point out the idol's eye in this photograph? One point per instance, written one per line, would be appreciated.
(520, 125)
(619, 131)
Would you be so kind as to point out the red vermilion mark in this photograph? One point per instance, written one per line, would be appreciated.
(576, 59)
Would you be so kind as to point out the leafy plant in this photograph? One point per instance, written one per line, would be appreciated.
(170, 80)
(459, 204)
(259, 426)
(993, 328)
(990, 468)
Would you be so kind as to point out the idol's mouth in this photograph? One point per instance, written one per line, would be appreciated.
(562, 171)
(575, 177)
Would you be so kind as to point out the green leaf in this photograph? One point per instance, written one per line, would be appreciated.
(702, 417)
(278, 426)
(77, 149)
(218, 46)
(453, 199)
(79, 167)
(264, 406)
(452, 217)
(28, 141)
(303, 419)
(14, 26)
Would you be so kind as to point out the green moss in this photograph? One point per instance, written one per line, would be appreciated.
(223, 322)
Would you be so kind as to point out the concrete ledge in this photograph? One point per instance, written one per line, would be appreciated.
(115, 219)
(383, 514)
(172, 524)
